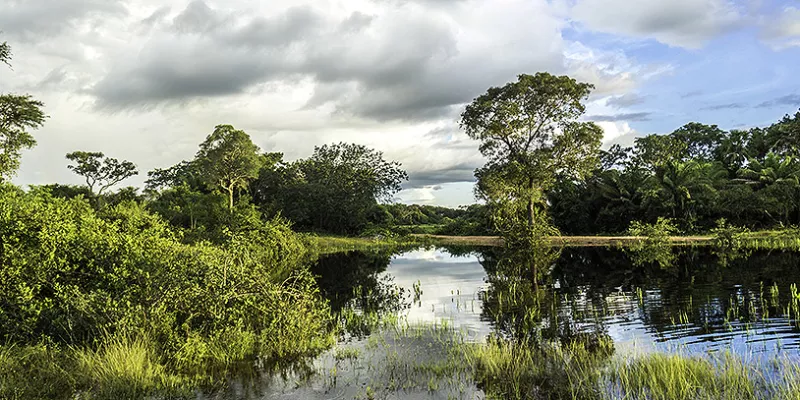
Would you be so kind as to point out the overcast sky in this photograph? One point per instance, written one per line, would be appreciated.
(148, 80)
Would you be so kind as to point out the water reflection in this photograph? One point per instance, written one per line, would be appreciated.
(698, 304)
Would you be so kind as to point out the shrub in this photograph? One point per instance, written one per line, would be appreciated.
(653, 245)
(70, 275)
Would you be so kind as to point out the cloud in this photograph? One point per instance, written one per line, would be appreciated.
(625, 100)
(788, 100)
(638, 116)
(615, 132)
(464, 172)
(691, 94)
(35, 20)
(729, 106)
(783, 31)
(680, 23)
(356, 63)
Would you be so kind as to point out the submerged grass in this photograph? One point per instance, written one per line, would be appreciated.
(439, 358)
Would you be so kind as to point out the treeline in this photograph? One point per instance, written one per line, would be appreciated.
(695, 176)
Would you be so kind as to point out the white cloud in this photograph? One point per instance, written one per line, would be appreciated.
(681, 23)
(784, 31)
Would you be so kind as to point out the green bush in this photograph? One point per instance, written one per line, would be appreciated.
(654, 244)
(69, 275)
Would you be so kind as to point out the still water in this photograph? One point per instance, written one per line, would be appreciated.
(699, 305)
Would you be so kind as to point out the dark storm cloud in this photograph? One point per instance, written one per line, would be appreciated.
(33, 20)
(640, 116)
(464, 172)
(401, 66)
(204, 57)
(188, 72)
(718, 107)
(788, 100)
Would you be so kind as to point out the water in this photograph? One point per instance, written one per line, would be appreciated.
(699, 305)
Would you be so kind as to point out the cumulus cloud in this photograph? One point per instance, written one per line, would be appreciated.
(396, 63)
(34, 20)
(680, 23)
(783, 31)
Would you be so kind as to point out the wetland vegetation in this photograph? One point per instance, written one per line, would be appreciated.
(238, 274)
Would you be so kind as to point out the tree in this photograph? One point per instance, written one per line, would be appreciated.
(336, 190)
(5, 53)
(656, 151)
(785, 135)
(701, 140)
(100, 171)
(229, 160)
(18, 114)
(529, 133)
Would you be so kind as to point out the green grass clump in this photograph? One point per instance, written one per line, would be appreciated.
(508, 370)
(126, 368)
(677, 377)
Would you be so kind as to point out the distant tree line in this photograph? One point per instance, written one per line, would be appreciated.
(695, 176)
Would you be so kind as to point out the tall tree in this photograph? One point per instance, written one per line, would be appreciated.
(529, 132)
(228, 160)
(18, 115)
(701, 140)
(335, 190)
(100, 172)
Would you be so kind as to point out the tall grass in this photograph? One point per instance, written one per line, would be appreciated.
(125, 368)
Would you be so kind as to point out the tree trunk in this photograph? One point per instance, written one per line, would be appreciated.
(230, 199)
(531, 221)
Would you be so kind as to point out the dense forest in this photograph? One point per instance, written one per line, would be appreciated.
(695, 175)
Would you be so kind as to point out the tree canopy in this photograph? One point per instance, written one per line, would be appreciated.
(336, 190)
(528, 131)
(18, 115)
(100, 172)
(228, 159)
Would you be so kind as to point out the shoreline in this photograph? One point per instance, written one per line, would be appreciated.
(571, 241)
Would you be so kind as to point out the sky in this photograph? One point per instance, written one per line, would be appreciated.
(147, 80)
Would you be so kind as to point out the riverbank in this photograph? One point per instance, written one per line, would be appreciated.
(571, 241)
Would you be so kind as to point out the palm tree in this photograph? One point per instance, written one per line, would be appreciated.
(777, 179)
(680, 183)
(773, 170)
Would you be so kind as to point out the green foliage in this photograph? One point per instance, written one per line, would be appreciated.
(654, 245)
(336, 190)
(228, 160)
(18, 115)
(695, 176)
(529, 132)
(5, 53)
(70, 275)
(728, 237)
(34, 372)
(99, 170)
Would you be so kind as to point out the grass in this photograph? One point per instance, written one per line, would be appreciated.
(121, 368)
(437, 358)
(126, 368)
(338, 244)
